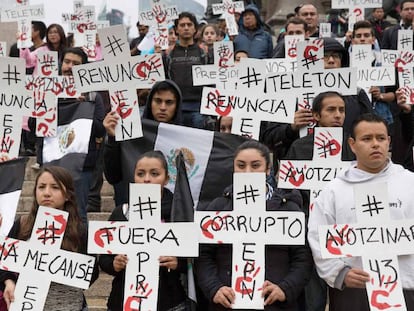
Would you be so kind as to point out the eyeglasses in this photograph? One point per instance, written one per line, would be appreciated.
(334, 55)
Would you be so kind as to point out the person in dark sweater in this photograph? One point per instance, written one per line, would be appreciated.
(151, 168)
(54, 188)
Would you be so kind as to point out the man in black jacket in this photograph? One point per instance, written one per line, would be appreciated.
(178, 65)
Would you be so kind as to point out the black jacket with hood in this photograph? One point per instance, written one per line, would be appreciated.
(112, 148)
(258, 43)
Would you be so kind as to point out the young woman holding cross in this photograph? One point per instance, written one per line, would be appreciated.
(287, 268)
(151, 167)
(53, 188)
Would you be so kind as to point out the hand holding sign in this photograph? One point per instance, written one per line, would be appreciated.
(356, 278)
(272, 293)
(225, 296)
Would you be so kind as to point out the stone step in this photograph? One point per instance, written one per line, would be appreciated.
(98, 293)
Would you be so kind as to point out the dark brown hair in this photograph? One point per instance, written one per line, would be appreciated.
(75, 228)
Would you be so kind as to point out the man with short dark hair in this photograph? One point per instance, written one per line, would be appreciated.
(178, 65)
(336, 205)
(294, 26)
(328, 109)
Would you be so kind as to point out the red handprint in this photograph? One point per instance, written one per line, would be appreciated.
(6, 144)
(388, 288)
(142, 292)
(404, 59)
(159, 14)
(290, 173)
(225, 56)
(357, 12)
(334, 241)
(409, 94)
(211, 223)
(150, 65)
(248, 277)
(327, 145)
(315, 46)
(39, 103)
(104, 232)
(47, 65)
(292, 51)
(123, 109)
(55, 231)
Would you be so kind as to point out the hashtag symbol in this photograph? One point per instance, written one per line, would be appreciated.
(326, 148)
(372, 206)
(89, 14)
(361, 55)
(405, 41)
(222, 50)
(311, 59)
(114, 45)
(48, 233)
(144, 206)
(252, 77)
(247, 193)
(12, 75)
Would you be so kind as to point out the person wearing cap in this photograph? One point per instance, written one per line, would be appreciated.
(252, 36)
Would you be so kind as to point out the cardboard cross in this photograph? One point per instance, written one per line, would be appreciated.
(404, 64)
(248, 104)
(47, 87)
(158, 17)
(367, 76)
(121, 75)
(40, 261)
(84, 26)
(223, 73)
(229, 8)
(311, 78)
(23, 14)
(249, 227)
(377, 239)
(324, 166)
(143, 238)
(15, 102)
(403, 60)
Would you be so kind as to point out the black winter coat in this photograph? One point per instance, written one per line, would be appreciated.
(287, 266)
(170, 292)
